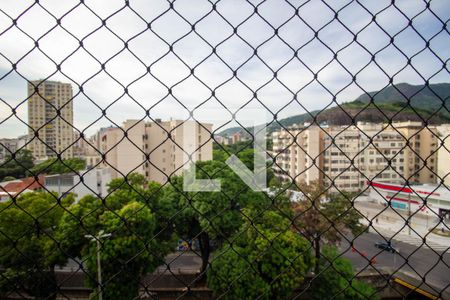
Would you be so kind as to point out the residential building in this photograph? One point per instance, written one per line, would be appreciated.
(346, 157)
(355, 154)
(94, 182)
(22, 141)
(443, 154)
(50, 117)
(88, 149)
(17, 187)
(219, 139)
(88, 182)
(240, 136)
(297, 154)
(420, 151)
(155, 149)
(7, 147)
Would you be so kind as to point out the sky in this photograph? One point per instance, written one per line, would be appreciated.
(322, 52)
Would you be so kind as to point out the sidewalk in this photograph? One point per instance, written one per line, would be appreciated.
(388, 220)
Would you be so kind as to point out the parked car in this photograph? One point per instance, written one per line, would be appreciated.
(386, 246)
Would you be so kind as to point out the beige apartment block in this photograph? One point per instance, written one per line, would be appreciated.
(55, 132)
(357, 154)
(155, 149)
(420, 152)
(443, 154)
(346, 157)
(341, 158)
(297, 154)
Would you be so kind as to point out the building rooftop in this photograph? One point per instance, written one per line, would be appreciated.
(18, 186)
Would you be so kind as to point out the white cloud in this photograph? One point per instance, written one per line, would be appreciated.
(150, 49)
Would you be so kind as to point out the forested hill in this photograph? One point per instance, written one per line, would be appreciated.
(430, 103)
(430, 98)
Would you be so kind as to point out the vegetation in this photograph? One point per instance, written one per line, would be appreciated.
(57, 166)
(20, 165)
(133, 250)
(325, 217)
(266, 261)
(212, 217)
(429, 98)
(402, 107)
(426, 100)
(336, 277)
(220, 150)
(28, 249)
(261, 245)
(16, 165)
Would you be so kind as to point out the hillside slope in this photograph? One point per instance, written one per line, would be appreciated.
(426, 103)
(435, 97)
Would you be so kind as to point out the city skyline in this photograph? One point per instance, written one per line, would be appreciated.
(144, 91)
(224, 149)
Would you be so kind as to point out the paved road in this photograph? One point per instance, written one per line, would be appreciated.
(420, 263)
(416, 262)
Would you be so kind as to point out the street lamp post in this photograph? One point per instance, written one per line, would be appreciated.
(97, 238)
(395, 253)
(409, 214)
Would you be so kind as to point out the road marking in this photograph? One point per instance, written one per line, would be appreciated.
(416, 289)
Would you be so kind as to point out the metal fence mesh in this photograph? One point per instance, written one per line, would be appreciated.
(141, 61)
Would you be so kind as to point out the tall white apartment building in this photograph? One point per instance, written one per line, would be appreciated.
(50, 116)
(155, 149)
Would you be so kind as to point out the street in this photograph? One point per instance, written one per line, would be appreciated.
(413, 261)
(417, 262)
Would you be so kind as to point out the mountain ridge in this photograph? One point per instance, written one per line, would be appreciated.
(400, 102)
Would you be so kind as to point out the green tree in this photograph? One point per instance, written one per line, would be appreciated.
(28, 243)
(135, 186)
(138, 243)
(213, 216)
(17, 164)
(321, 216)
(57, 166)
(266, 260)
(336, 277)
(234, 148)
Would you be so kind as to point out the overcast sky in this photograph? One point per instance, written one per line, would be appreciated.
(295, 53)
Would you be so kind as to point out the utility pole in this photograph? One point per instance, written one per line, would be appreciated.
(409, 213)
(97, 238)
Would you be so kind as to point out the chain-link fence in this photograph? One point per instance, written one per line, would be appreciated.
(224, 149)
